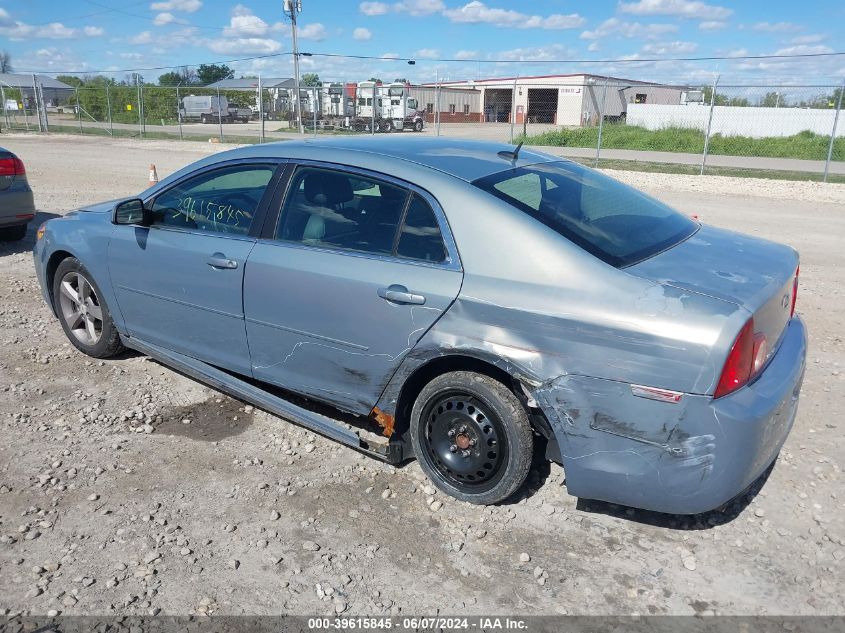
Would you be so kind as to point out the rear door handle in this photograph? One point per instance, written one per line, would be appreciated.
(219, 260)
(399, 294)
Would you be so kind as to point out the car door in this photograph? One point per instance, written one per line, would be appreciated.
(354, 272)
(179, 282)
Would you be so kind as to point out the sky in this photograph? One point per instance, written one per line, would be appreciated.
(487, 38)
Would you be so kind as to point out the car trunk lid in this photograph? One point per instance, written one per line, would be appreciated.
(750, 272)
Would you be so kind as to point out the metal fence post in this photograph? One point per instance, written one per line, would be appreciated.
(43, 107)
(5, 112)
(79, 111)
(314, 108)
(437, 110)
(23, 103)
(108, 107)
(709, 125)
(513, 108)
(833, 132)
(260, 110)
(373, 112)
(178, 113)
(601, 119)
(138, 91)
(219, 115)
(37, 103)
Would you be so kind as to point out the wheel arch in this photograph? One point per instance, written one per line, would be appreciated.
(428, 371)
(56, 258)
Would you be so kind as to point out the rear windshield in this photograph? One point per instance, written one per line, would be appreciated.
(614, 222)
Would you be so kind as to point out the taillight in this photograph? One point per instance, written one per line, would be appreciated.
(738, 366)
(794, 292)
(12, 166)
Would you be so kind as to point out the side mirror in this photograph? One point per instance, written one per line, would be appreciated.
(131, 211)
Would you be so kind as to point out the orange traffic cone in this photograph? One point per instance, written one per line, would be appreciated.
(153, 175)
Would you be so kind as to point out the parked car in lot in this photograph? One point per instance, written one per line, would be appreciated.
(239, 114)
(17, 206)
(471, 302)
(205, 108)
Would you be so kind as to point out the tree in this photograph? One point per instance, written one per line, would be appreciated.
(311, 80)
(71, 80)
(375, 79)
(401, 81)
(5, 62)
(209, 73)
(170, 79)
(772, 100)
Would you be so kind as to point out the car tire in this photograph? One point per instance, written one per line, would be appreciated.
(418, 126)
(472, 437)
(204, 119)
(91, 330)
(13, 233)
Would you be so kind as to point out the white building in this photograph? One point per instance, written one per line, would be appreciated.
(572, 100)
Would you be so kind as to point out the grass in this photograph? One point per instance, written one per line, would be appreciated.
(804, 145)
(736, 172)
(151, 134)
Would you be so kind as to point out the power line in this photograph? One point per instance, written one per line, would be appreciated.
(451, 60)
(626, 60)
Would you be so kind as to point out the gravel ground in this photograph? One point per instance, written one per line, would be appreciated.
(126, 488)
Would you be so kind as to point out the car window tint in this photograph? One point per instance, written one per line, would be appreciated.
(222, 201)
(614, 222)
(420, 237)
(337, 210)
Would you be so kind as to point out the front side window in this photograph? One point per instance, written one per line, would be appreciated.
(222, 201)
(614, 222)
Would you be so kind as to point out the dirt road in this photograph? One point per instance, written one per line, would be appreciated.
(126, 488)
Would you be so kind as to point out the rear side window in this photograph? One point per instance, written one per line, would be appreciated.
(614, 222)
(420, 236)
(340, 210)
(220, 201)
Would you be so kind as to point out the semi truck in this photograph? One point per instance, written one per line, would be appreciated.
(386, 108)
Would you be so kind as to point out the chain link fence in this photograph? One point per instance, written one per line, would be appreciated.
(598, 120)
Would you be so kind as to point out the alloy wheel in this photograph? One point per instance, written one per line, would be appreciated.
(80, 308)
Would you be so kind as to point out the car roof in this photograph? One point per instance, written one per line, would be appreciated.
(464, 159)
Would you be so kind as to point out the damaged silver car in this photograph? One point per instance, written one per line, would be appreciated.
(470, 303)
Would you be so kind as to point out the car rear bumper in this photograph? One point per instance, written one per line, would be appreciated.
(683, 458)
(17, 205)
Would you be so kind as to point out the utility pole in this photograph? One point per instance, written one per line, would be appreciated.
(291, 9)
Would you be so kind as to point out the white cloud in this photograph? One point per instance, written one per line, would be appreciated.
(164, 18)
(244, 46)
(427, 53)
(244, 24)
(171, 40)
(476, 12)
(462, 54)
(419, 7)
(808, 39)
(315, 31)
(670, 48)
(593, 47)
(538, 53)
(678, 8)
(712, 25)
(803, 49)
(186, 6)
(362, 34)
(17, 30)
(777, 27)
(615, 26)
(373, 8)
(390, 56)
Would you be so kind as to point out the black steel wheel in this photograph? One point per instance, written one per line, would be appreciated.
(472, 437)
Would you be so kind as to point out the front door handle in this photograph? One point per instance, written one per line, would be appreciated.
(219, 260)
(399, 294)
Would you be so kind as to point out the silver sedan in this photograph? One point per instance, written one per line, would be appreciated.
(17, 207)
